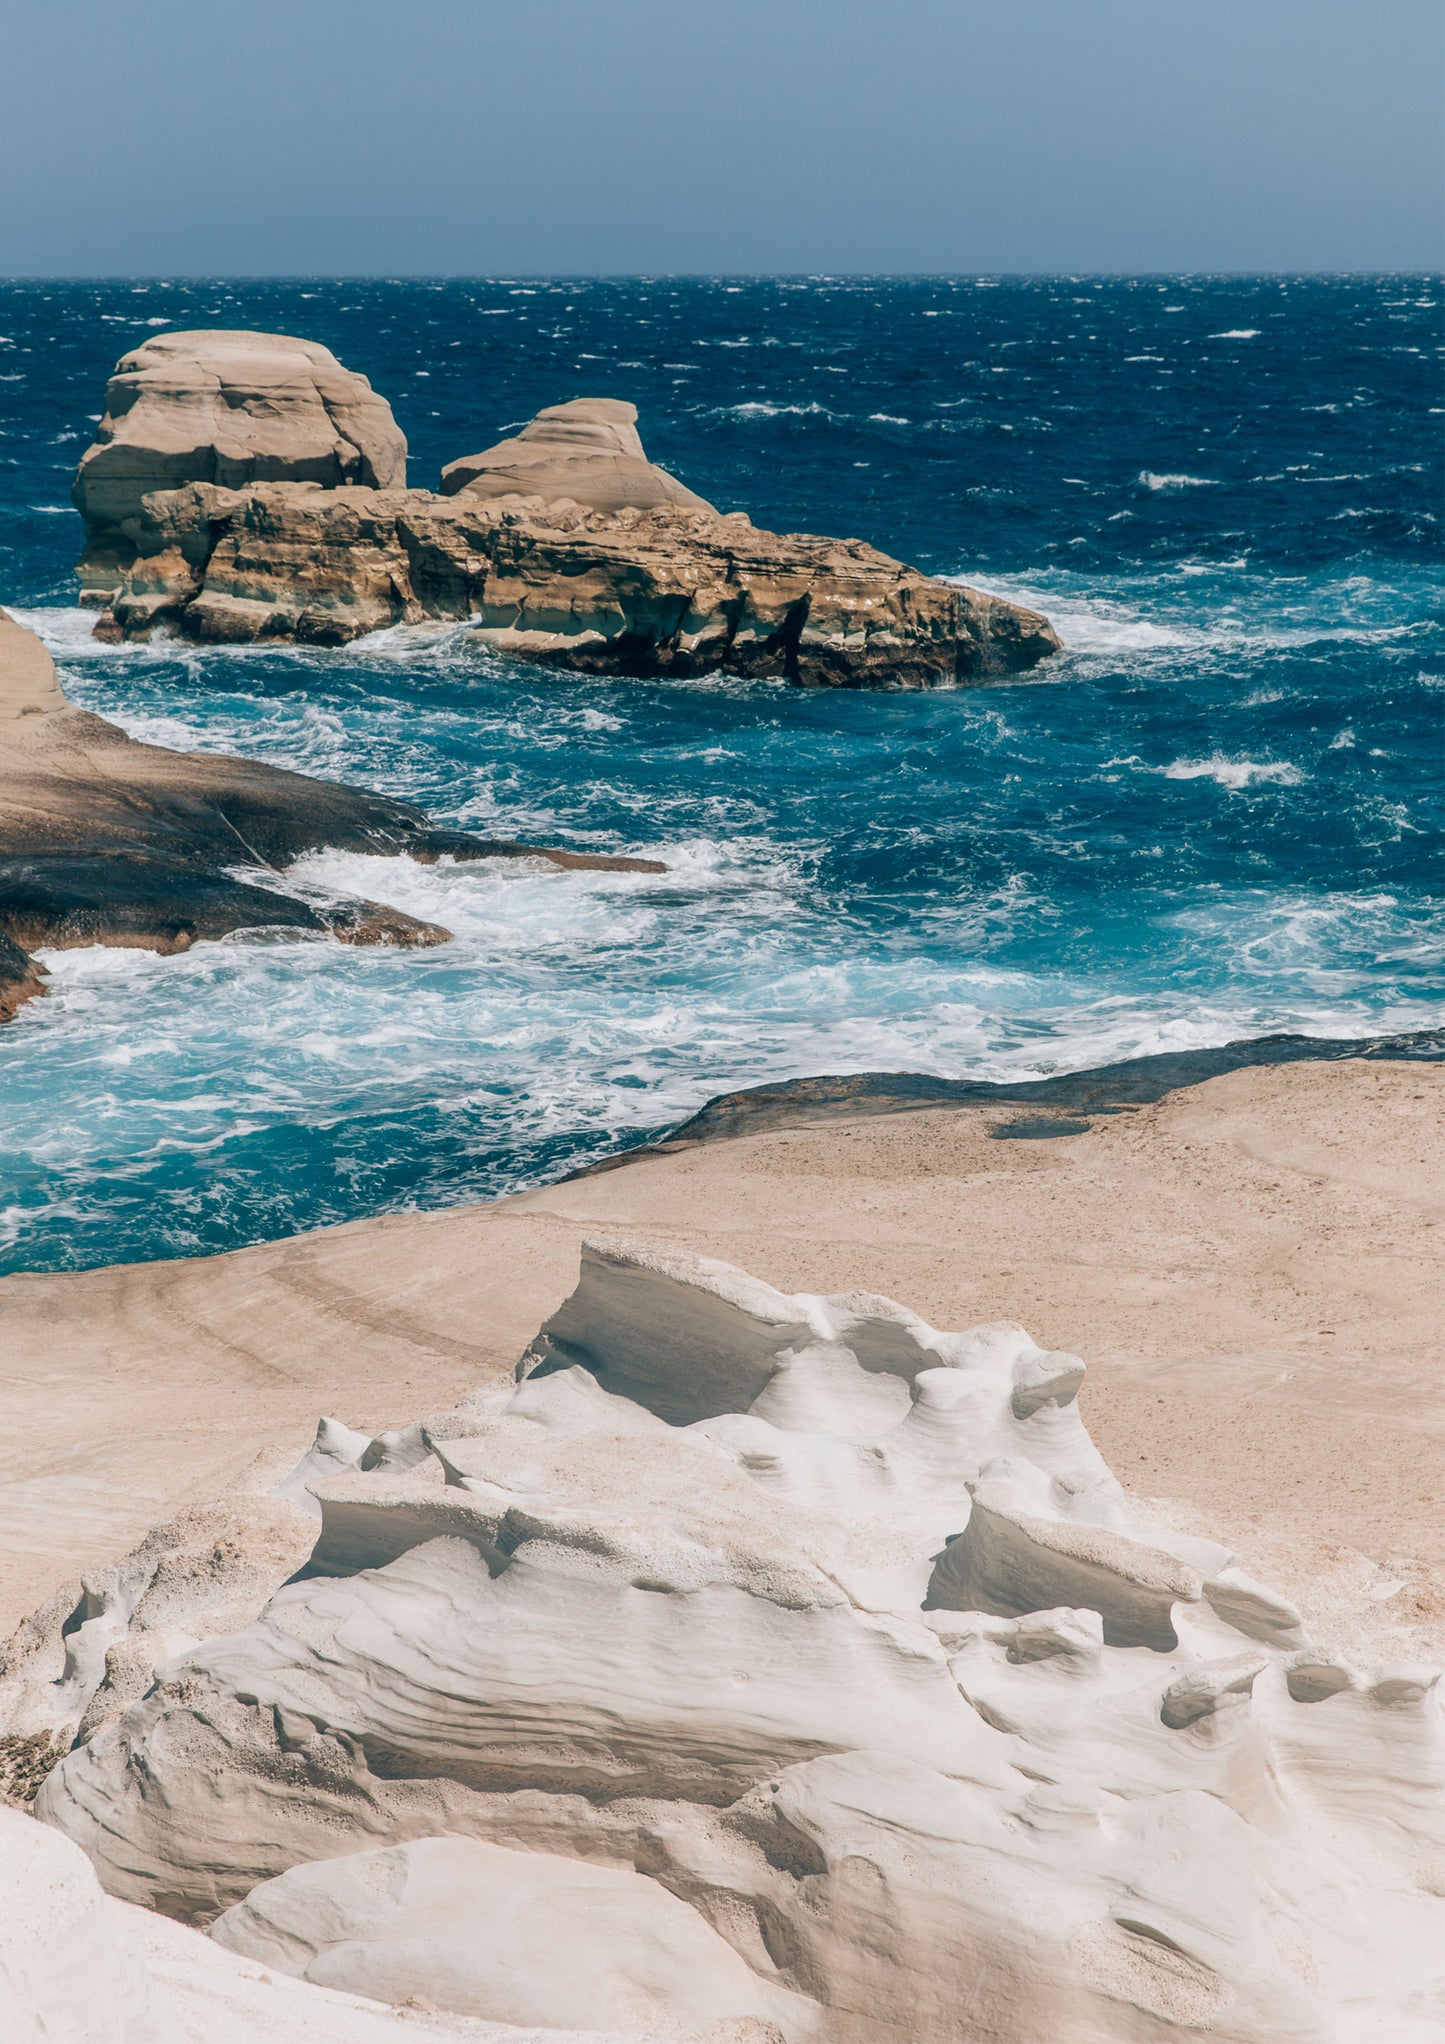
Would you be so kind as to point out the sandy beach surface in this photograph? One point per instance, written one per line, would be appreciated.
(1251, 1269)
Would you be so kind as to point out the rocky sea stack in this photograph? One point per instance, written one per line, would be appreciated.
(245, 487)
(229, 408)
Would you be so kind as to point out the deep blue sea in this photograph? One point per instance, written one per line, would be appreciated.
(1218, 815)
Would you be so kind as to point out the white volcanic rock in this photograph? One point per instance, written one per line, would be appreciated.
(588, 452)
(80, 1660)
(79, 1968)
(231, 408)
(521, 1937)
(246, 486)
(838, 1629)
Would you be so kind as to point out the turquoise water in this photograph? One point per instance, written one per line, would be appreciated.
(1216, 816)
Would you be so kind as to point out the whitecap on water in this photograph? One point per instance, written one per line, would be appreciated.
(1089, 624)
(1150, 480)
(760, 408)
(1235, 774)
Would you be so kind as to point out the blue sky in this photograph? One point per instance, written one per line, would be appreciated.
(610, 136)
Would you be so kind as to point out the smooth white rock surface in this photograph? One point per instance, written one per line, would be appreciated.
(836, 1629)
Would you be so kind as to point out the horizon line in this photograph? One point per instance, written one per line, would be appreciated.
(697, 276)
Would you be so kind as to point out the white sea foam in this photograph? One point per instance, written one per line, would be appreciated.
(1152, 481)
(1236, 774)
(1091, 625)
(760, 408)
(560, 1015)
(1237, 333)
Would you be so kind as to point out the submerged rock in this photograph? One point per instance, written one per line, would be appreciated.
(785, 1659)
(220, 407)
(107, 841)
(587, 451)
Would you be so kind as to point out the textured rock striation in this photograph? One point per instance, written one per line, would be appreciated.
(77, 1967)
(664, 591)
(230, 408)
(107, 841)
(246, 486)
(588, 451)
(801, 1616)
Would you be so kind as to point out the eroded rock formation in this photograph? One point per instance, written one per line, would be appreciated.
(107, 841)
(77, 1967)
(587, 451)
(231, 408)
(245, 486)
(827, 1627)
(627, 592)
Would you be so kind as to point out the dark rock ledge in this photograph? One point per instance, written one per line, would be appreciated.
(1064, 1105)
(107, 841)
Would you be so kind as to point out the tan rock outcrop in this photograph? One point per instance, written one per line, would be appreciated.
(104, 840)
(588, 451)
(77, 1967)
(229, 408)
(671, 590)
(246, 486)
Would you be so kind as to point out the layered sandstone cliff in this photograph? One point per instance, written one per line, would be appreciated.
(668, 590)
(247, 487)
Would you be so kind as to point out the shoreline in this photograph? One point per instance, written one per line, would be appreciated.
(1240, 1365)
(1068, 1101)
(1065, 1104)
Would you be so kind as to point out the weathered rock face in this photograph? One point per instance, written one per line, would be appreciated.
(520, 1937)
(229, 408)
(588, 451)
(107, 841)
(832, 1625)
(246, 486)
(77, 1967)
(630, 592)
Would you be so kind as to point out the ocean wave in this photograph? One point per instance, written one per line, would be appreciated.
(1149, 480)
(1091, 625)
(1245, 611)
(761, 408)
(1235, 774)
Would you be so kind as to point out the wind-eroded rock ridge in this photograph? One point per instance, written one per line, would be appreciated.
(778, 1660)
(224, 502)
